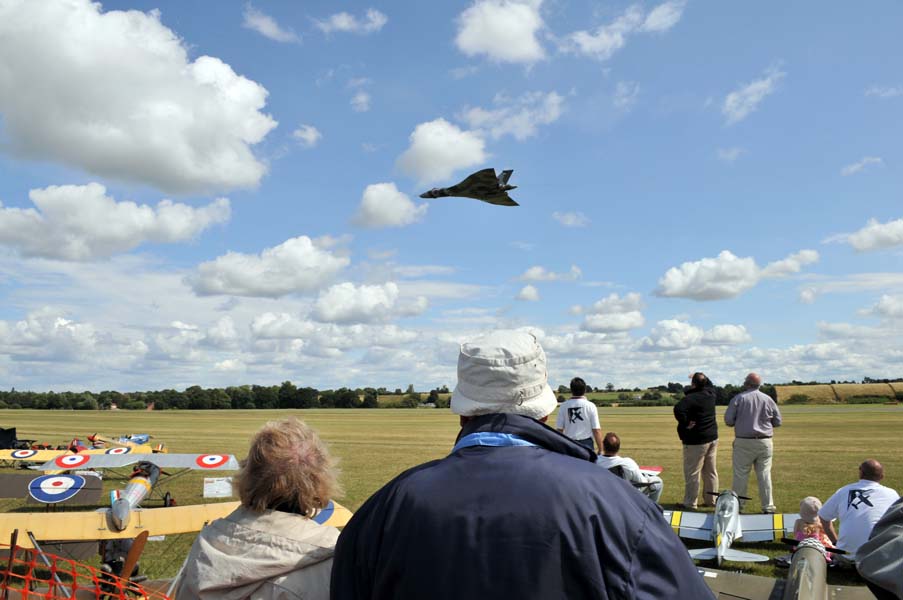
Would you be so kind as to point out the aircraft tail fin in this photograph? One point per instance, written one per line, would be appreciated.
(505, 176)
(729, 554)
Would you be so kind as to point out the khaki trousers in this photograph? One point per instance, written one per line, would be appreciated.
(700, 459)
(754, 453)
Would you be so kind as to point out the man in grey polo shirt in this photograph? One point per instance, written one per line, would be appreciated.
(753, 415)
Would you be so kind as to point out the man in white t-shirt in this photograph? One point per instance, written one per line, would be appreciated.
(858, 506)
(649, 484)
(578, 418)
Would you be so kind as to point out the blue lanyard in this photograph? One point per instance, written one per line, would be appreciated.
(490, 438)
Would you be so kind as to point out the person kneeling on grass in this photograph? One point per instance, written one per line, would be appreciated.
(268, 548)
(516, 510)
(651, 485)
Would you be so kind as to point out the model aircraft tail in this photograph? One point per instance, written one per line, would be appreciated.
(504, 177)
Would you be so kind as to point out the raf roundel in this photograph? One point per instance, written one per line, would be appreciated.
(51, 489)
(24, 453)
(71, 461)
(118, 451)
(211, 461)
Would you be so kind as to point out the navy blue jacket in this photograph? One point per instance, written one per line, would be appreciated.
(512, 522)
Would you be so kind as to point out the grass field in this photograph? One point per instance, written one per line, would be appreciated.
(817, 450)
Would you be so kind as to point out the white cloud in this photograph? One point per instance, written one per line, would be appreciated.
(626, 94)
(528, 293)
(726, 335)
(222, 334)
(115, 94)
(345, 22)
(230, 365)
(606, 40)
(518, 118)
(349, 303)
(382, 205)
(664, 16)
(538, 273)
(307, 136)
(613, 313)
(808, 295)
(726, 276)
(502, 30)
(571, 219)
(741, 102)
(885, 91)
(360, 102)
(298, 265)
(890, 307)
(858, 166)
(267, 26)
(729, 155)
(874, 236)
(80, 222)
(438, 149)
(672, 334)
(794, 263)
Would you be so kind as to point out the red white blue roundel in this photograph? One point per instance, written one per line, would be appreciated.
(71, 461)
(51, 489)
(211, 461)
(23, 453)
(118, 451)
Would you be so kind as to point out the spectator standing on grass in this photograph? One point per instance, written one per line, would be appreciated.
(858, 506)
(698, 431)
(269, 548)
(516, 510)
(753, 415)
(578, 418)
(650, 485)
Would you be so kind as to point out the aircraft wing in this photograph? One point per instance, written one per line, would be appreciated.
(479, 183)
(83, 526)
(690, 525)
(767, 528)
(112, 460)
(31, 455)
(741, 586)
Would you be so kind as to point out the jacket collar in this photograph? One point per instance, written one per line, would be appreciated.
(530, 430)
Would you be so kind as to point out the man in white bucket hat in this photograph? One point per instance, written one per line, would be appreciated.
(517, 510)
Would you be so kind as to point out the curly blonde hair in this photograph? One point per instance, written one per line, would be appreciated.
(288, 467)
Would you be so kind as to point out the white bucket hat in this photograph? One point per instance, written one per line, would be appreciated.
(503, 372)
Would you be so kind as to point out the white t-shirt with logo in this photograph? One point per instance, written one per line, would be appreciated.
(858, 506)
(578, 417)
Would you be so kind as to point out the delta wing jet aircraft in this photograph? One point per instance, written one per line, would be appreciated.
(483, 185)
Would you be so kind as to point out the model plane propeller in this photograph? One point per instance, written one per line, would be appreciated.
(726, 525)
(483, 185)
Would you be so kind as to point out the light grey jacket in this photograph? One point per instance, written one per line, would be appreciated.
(264, 556)
(880, 560)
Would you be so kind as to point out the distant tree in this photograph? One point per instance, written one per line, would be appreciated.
(265, 396)
(410, 389)
(345, 398)
(433, 397)
(609, 387)
(308, 397)
(371, 399)
(563, 389)
(674, 387)
(398, 391)
(443, 389)
(288, 395)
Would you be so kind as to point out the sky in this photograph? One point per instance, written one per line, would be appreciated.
(198, 193)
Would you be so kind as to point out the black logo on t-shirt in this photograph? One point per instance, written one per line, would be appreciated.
(856, 498)
(575, 414)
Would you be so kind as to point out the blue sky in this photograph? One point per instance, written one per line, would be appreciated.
(216, 196)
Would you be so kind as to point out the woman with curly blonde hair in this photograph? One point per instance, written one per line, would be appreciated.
(269, 548)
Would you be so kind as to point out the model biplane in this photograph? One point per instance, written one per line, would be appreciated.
(726, 525)
(77, 489)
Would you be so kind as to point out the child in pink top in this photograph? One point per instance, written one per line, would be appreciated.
(808, 525)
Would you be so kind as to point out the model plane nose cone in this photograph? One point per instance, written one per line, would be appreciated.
(120, 513)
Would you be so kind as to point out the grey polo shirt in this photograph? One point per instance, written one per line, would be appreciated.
(752, 414)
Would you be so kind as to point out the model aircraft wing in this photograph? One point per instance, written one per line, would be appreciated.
(690, 525)
(77, 490)
(122, 457)
(739, 586)
(31, 455)
(479, 183)
(653, 471)
(767, 528)
(156, 521)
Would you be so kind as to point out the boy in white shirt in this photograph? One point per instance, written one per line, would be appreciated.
(578, 418)
(858, 506)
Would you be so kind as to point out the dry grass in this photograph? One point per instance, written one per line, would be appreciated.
(818, 394)
(846, 390)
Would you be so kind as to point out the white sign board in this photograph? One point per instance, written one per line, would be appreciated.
(217, 487)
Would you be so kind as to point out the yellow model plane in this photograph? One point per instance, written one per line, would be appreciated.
(88, 526)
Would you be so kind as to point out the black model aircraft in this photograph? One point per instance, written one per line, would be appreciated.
(483, 185)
